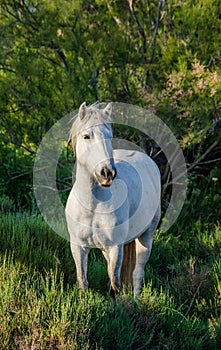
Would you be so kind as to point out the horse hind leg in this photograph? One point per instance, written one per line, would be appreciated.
(80, 256)
(143, 246)
(142, 256)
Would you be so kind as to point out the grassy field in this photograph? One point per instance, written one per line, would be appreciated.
(41, 308)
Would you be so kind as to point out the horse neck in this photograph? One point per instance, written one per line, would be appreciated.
(84, 183)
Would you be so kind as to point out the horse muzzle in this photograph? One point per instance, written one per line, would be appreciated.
(106, 176)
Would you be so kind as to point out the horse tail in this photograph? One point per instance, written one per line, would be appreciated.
(128, 264)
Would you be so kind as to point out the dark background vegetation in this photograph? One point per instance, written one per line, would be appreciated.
(164, 56)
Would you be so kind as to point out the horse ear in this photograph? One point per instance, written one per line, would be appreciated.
(82, 110)
(108, 110)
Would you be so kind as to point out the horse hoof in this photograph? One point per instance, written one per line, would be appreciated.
(113, 293)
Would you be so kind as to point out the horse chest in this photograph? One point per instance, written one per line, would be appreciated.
(98, 226)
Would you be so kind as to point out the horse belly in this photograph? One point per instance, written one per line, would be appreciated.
(143, 207)
(142, 179)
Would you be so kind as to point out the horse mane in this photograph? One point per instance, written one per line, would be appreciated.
(73, 134)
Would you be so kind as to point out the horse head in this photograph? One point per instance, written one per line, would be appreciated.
(91, 136)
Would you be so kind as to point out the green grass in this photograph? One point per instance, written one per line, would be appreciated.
(41, 308)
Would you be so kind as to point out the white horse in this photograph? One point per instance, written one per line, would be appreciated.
(115, 200)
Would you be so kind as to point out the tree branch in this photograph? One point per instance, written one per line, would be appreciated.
(4, 68)
(140, 28)
(153, 45)
(61, 54)
(198, 161)
(214, 144)
(30, 150)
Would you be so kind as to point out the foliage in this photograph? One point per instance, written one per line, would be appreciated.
(193, 96)
(56, 54)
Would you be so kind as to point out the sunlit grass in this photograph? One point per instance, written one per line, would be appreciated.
(41, 308)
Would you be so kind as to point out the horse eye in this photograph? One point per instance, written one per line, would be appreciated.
(86, 137)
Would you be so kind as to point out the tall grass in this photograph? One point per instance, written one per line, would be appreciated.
(41, 308)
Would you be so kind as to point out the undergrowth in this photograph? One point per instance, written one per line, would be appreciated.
(41, 308)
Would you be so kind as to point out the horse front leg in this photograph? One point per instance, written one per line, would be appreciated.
(80, 256)
(114, 257)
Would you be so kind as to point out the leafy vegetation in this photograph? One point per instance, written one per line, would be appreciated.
(165, 57)
(56, 54)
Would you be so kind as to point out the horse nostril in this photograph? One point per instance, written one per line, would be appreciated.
(107, 173)
(104, 172)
